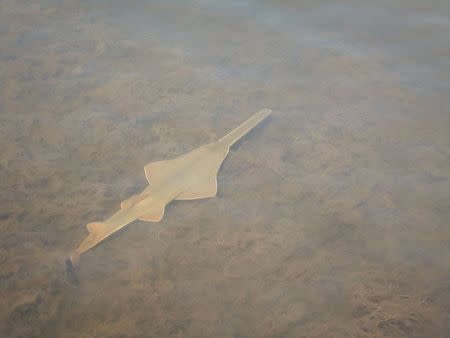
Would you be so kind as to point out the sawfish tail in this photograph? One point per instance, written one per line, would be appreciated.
(233, 136)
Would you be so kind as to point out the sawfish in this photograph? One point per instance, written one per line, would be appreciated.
(187, 177)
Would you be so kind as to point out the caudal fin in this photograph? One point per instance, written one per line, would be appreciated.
(97, 231)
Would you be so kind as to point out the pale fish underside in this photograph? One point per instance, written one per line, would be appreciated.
(187, 177)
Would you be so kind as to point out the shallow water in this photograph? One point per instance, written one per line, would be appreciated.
(332, 218)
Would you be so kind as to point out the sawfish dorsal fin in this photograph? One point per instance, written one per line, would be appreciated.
(96, 229)
(205, 180)
(131, 201)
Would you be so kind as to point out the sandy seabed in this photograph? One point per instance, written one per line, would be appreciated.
(332, 218)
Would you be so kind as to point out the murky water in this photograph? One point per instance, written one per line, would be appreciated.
(332, 219)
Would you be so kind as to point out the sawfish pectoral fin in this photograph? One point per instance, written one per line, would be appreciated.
(156, 172)
(206, 189)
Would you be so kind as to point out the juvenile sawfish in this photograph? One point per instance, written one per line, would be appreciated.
(187, 177)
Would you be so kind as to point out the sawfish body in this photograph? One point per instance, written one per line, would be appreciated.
(187, 177)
